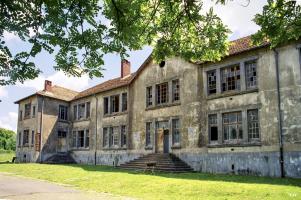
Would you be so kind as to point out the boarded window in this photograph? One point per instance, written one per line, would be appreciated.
(25, 137)
(175, 131)
(63, 112)
(124, 102)
(176, 90)
(81, 111)
(251, 74)
(27, 110)
(106, 105)
(88, 109)
(32, 137)
(213, 127)
(253, 124)
(230, 78)
(211, 81)
(114, 103)
(162, 93)
(123, 136)
(149, 96)
(105, 137)
(148, 134)
(232, 126)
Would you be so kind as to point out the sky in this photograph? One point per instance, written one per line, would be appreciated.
(236, 14)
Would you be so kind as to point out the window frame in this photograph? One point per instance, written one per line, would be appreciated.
(27, 110)
(176, 130)
(253, 139)
(209, 82)
(106, 105)
(63, 109)
(123, 136)
(149, 96)
(210, 125)
(176, 90)
(124, 102)
(148, 137)
(32, 137)
(20, 115)
(237, 123)
(113, 104)
(33, 111)
(237, 81)
(159, 93)
(25, 140)
(76, 142)
(247, 77)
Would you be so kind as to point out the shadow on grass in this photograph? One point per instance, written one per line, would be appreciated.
(197, 176)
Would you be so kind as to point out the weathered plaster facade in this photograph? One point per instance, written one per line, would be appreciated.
(243, 155)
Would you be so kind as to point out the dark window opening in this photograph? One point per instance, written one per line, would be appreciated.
(81, 111)
(176, 90)
(114, 103)
(87, 139)
(123, 136)
(149, 96)
(213, 127)
(61, 134)
(162, 93)
(124, 102)
(230, 78)
(88, 110)
(63, 112)
(25, 137)
(211, 81)
(105, 137)
(75, 112)
(106, 105)
(20, 115)
(32, 137)
(148, 134)
(81, 139)
(27, 110)
(33, 111)
(162, 64)
(251, 74)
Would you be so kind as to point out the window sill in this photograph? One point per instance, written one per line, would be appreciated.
(148, 148)
(114, 148)
(163, 105)
(230, 93)
(115, 114)
(176, 147)
(81, 149)
(250, 144)
(63, 121)
(81, 120)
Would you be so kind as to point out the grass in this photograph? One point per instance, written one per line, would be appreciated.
(6, 156)
(160, 185)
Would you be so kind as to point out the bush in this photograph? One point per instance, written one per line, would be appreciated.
(7, 139)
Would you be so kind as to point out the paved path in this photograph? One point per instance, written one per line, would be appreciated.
(12, 187)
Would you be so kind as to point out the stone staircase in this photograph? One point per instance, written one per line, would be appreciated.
(60, 158)
(158, 162)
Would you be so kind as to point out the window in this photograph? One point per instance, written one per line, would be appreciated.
(123, 135)
(148, 134)
(175, 131)
(81, 111)
(106, 105)
(32, 137)
(88, 109)
(19, 139)
(149, 96)
(25, 137)
(20, 115)
(213, 128)
(232, 126)
(251, 74)
(114, 103)
(87, 139)
(111, 137)
(61, 134)
(230, 78)
(176, 90)
(33, 111)
(253, 124)
(63, 112)
(211, 81)
(105, 137)
(162, 93)
(81, 139)
(124, 102)
(27, 110)
(115, 136)
(74, 139)
(75, 112)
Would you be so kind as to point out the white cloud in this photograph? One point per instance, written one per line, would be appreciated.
(238, 15)
(9, 121)
(60, 79)
(10, 36)
(3, 92)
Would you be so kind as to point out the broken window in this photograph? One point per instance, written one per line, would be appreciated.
(27, 110)
(123, 135)
(175, 131)
(75, 112)
(253, 124)
(148, 134)
(32, 137)
(33, 111)
(81, 139)
(124, 102)
(63, 112)
(25, 137)
(87, 139)
(162, 93)
(213, 128)
(230, 78)
(114, 103)
(81, 111)
(176, 90)
(232, 126)
(149, 96)
(251, 74)
(211, 81)
(106, 105)
(105, 137)
(88, 110)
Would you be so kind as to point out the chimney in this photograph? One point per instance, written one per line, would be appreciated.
(47, 85)
(125, 68)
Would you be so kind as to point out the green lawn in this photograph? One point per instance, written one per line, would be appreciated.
(161, 185)
(6, 156)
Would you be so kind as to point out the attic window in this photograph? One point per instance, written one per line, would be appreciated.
(162, 63)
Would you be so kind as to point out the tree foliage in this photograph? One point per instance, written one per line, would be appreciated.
(81, 32)
(7, 139)
(279, 22)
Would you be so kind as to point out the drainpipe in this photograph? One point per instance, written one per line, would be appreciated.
(41, 125)
(96, 111)
(276, 54)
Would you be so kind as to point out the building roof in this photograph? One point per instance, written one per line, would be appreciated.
(56, 92)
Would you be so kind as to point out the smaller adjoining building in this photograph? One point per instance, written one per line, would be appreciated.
(239, 115)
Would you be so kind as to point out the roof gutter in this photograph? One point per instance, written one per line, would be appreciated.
(281, 160)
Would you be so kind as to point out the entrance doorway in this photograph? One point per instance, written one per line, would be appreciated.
(162, 137)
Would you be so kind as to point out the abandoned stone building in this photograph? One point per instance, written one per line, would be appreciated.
(239, 115)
